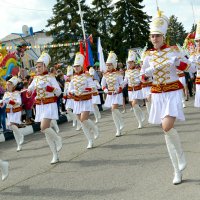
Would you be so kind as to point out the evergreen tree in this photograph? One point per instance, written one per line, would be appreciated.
(176, 32)
(65, 26)
(193, 29)
(102, 16)
(131, 27)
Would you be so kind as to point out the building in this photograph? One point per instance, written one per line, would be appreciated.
(36, 40)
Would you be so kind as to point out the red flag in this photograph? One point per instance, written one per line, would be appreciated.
(81, 47)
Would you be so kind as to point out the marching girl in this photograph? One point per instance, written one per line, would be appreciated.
(161, 62)
(69, 105)
(47, 90)
(4, 169)
(132, 78)
(81, 88)
(112, 84)
(195, 57)
(13, 102)
(95, 96)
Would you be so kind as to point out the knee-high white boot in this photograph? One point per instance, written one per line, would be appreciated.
(138, 115)
(148, 106)
(183, 100)
(117, 122)
(94, 128)
(78, 124)
(52, 144)
(121, 121)
(86, 130)
(173, 156)
(19, 137)
(72, 116)
(54, 125)
(4, 169)
(97, 114)
(173, 136)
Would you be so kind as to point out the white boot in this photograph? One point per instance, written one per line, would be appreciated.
(183, 100)
(78, 125)
(117, 123)
(94, 128)
(121, 121)
(19, 137)
(86, 130)
(72, 116)
(138, 115)
(52, 145)
(56, 138)
(54, 125)
(172, 153)
(97, 114)
(4, 169)
(148, 106)
(173, 136)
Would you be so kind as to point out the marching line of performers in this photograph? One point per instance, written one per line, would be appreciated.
(159, 82)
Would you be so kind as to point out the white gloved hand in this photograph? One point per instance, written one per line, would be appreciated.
(149, 71)
(6, 100)
(105, 91)
(176, 61)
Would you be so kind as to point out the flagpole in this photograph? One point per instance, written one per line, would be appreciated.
(82, 24)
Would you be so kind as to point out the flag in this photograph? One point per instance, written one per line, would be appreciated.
(90, 54)
(102, 63)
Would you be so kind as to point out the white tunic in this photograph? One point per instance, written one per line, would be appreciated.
(78, 86)
(132, 78)
(69, 101)
(112, 81)
(13, 117)
(162, 66)
(50, 110)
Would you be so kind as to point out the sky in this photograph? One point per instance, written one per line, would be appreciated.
(34, 13)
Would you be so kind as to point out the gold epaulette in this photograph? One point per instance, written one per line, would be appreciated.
(174, 48)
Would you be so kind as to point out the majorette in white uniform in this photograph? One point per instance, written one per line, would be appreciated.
(195, 57)
(132, 78)
(162, 63)
(146, 84)
(4, 169)
(95, 96)
(14, 110)
(181, 76)
(81, 88)
(69, 105)
(47, 89)
(112, 84)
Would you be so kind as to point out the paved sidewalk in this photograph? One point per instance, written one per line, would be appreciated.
(135, 166)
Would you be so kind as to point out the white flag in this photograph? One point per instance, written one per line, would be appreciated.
(102, 63)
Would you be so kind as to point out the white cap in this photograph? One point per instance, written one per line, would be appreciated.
(79, 59)
(14, 80)
(70, 70)
(159, 24)
(44, 58)
(112, 58)
(197, 35)
(131, 55)
(91, 71)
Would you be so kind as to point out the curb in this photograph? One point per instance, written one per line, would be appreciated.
(8, 135)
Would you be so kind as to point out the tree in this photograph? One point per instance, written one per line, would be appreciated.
(193, 29)
(131, 28)
(65, 26)
(102, 16)
(176, 32)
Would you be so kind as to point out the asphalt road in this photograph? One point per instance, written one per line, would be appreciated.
(134, 166)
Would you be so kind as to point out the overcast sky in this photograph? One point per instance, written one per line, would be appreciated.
(15, 14)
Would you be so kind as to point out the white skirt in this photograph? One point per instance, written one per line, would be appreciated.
(197, 96)
(146, 92)
(133, 95)
(96, 99)
(183, 81)
(14, 117)
(81, 106)
(69, 104)
(47, 111)
(113, 99)
(166, 104)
